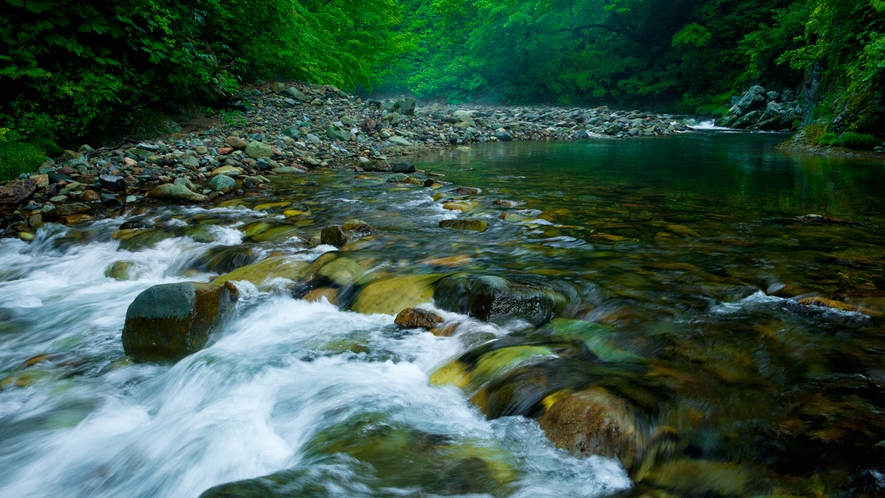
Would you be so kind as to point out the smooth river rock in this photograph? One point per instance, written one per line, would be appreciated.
(170, 321)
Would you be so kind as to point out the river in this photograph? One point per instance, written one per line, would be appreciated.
(686, 257)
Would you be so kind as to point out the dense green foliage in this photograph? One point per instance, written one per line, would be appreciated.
(684, 55)
(74, 68)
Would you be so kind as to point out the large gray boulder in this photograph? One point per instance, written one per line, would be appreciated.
(493, 299)
(170, 321)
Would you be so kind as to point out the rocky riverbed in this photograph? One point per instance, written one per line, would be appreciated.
(286, 129)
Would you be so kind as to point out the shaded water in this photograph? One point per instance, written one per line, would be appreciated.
(683, 259)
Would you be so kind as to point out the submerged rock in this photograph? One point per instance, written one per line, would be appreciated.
(262, 273)
(391, 295)
(593, 422)
(170, 321)
(474, 225)
(493, 299)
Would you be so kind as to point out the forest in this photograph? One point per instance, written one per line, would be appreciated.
(74, 70)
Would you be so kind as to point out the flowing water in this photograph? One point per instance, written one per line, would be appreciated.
(686, 256)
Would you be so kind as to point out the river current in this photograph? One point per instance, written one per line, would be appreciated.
(690, 253)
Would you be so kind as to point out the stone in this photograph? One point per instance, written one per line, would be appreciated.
(190, 162)
(392, 118)
(222, 183)
(493, 299)
(593, 422)
(391, 295)
(333, 236)
(467, 191)
(170, 321)
(376, 165)
(26, 236)
(258, 150)
(503, 136)
(337, 133)
(121, 270)
(70, 155)
(231, 171)
(42, 180)
(398, 178)
(297, 94)
(340, 271)
(278, 88)
(236, 142)
(411, 318)
(402, 167)
(17, 191)
(405, 106)
(474, 225)
(263, 273)
(187, 183)
(177, 192)
(397, 140)
(368, 125)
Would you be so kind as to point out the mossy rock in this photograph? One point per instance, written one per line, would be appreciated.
(382, 456)
(170, 321)
(341, 271)
(472, 225)
(391, 295)
(262, 272)
(136, 240)
(124, 270)
(224, 259)
(705, 478)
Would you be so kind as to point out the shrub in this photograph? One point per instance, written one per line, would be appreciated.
(858, 141)
(828, 139)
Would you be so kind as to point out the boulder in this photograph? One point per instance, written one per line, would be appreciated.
(15, 192)
(405, 106)
(594, 422)
(402, 167)
(178, 192)
(337, 133)
(392, 295)
(263, 272)
(170, 321)
(258, 150)
(504, 136)
(376, 165)
(493, 299)
(237, 143)
(223, 183)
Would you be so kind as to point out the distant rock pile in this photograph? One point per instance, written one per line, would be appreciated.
(286, 129)
(761, 109)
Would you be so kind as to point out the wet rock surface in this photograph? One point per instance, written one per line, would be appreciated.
(170, 321)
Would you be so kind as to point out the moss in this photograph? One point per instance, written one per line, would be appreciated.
(814, 132)
(17, 158)
(828, 139)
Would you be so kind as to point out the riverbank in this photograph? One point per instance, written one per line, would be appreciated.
(281, 129)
